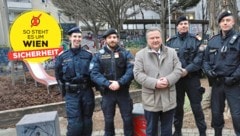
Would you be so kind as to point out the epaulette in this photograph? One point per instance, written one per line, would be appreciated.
(191, 34)
(88, 51)
(62, 52)
(101, 51)
(234, 38)
(195, 36)
(170, 38)
(214, 36)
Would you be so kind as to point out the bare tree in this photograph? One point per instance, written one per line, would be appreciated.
(81, 10)
(113, 12)
(215, 8)
(96, 14)
(161, 7)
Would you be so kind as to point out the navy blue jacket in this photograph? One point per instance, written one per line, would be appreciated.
(73, 64)
(189, 53)
(222, 55)
(112, 65)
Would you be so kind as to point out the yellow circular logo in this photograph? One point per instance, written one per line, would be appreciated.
(35, 36)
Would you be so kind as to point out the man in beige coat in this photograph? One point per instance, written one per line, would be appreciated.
(157, 68)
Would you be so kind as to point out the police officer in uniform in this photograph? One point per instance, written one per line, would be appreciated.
(222, 66)
(112, 72)
(73, 76)
(190, 53)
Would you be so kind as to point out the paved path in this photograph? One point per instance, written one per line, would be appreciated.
(119, 132)
(186, 132)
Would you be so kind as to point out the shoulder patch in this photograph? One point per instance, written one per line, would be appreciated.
(198, 37)
(101, 51)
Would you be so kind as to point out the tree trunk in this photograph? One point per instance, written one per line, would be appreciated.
(214, 10)
(163, 13)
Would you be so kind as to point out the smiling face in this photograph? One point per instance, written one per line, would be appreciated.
(183, 27)
(154, 39)
(75, 39)
(226, 23)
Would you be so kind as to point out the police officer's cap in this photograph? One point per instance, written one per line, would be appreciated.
(108, 32)
(74, 30)
(180, 19)
(224, 14)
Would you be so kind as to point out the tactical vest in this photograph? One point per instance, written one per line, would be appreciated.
(113, 64)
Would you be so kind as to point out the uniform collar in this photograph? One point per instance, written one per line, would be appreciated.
(229, 33)
(107, 49)
(75, 50)
(183, 35)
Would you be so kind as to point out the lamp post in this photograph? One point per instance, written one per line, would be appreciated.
(169, 19)
(5, 21)
(59, 17)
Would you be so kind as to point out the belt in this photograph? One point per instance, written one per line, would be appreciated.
(72, 88)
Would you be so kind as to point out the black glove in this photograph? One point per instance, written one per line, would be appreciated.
(211, 74)
(229, 81)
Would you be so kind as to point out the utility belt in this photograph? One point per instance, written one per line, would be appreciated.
(221, 80)
(74, 88)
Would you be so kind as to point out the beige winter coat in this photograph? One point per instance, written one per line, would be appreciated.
(148, 68)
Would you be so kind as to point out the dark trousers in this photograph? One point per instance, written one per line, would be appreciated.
(125, 104)
(154, 118)
(220, 93)
(79, 109)
(192, 87)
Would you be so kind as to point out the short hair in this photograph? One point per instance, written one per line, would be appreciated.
(151, 29)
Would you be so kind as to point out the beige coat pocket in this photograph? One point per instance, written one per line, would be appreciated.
(148, 98)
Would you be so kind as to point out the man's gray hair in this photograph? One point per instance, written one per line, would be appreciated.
(152, 29)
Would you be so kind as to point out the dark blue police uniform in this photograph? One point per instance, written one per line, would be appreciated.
(190, 54)
(114, 65)
(72, 73)
(222, 65)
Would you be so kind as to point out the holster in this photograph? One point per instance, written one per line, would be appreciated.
(74, 88)
(62, 88)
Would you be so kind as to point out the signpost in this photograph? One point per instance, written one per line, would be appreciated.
(35, 36)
